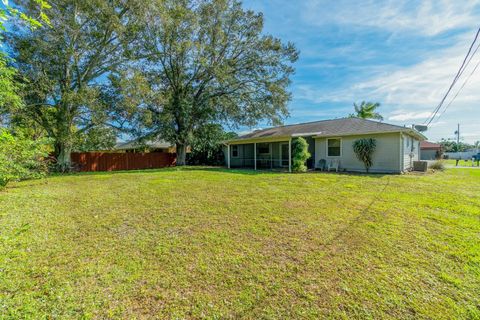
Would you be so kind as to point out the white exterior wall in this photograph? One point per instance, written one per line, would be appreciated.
(386, 159)
(410, 146)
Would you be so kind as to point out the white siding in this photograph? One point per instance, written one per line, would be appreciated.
(386, 159)
(411, 151)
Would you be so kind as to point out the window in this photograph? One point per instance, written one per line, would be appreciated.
(234, 151)
(334, 147)
(410, 144)
(263, 148)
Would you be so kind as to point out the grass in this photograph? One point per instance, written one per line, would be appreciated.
(461, 163)
(211, 243)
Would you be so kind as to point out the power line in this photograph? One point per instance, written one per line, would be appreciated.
(463, 85)
(468, 62)
(457, 76)
(464, 65)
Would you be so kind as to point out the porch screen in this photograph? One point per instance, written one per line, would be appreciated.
(263, 148)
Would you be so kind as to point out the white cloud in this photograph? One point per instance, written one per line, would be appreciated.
(409, 116)
(408, 93)
(316, 95)
(471, 134)
(411, 93)
(428, 17)
(424, 84)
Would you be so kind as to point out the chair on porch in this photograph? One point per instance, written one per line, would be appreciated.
(322, 164)
(333, 164)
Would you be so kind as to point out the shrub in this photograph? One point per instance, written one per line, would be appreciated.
(437, 165)
(21, 158)
(207, 145)
(364, 149)
(300, 154)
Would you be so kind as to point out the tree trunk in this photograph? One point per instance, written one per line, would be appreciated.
(181, 154)
(64, 160)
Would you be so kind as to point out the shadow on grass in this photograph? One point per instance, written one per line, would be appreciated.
(242, 171)
(356, 174)
(355, 221)
(24, 184)
(160, 170)
(247, 172)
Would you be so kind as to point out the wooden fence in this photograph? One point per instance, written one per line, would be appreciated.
(103, 161)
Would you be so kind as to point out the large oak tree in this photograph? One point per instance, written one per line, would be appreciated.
(208, 62)
(66, 67)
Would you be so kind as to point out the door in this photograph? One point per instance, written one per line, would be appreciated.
(284, 154)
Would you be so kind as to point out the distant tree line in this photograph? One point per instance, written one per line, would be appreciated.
(451, 145)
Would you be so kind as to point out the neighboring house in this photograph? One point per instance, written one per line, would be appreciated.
(430, 150)
(397, 147)
(138, 145)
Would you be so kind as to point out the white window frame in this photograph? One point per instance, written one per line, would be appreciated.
(238, 151)
(341, 147)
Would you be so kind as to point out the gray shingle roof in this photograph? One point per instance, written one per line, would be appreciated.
(135, 144)
(335, 127)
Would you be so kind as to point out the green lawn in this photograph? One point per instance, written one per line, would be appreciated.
(208, 243)
(461, 163)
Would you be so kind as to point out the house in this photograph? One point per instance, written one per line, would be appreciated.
(137, 145)
(430, 150)
(330, 140)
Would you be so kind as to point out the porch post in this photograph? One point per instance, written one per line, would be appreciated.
(228, 156)
(290, 155)
(255, 155)
(271, 155)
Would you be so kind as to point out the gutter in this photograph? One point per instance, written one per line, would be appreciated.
(258, 139)
(317, 135)
(411, 132)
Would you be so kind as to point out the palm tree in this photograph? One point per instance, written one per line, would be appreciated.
(366, 110)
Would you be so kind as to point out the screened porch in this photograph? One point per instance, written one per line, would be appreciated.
(260, 155)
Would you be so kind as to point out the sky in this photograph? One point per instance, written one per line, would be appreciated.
(402, 54)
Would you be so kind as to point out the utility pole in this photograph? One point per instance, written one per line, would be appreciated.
(458, 134)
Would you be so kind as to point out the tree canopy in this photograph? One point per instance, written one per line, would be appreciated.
(9, 92)
(66, 67)
(451, 145)
(168, 68)
(208, 61)
(367, 110)
(207, 147)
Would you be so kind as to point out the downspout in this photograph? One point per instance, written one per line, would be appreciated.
(290, 155)
(402, 155)
(255, 155)
(228, 156)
